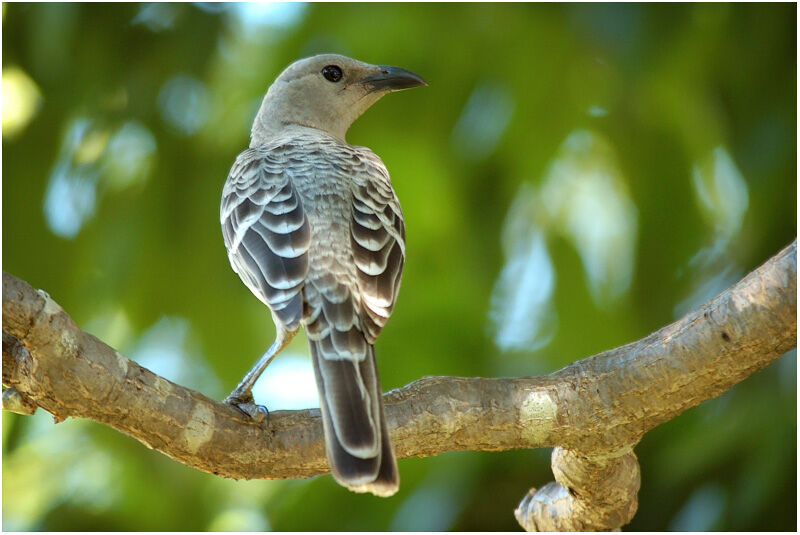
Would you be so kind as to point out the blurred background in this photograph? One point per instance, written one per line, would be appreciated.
(573, 178)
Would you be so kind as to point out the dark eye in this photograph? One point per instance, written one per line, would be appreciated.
(332, 73)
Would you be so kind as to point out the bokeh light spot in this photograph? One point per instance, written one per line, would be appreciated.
(184, 104)
(483, 121)
(21, 100)
(288, 383)
(521, 308)
(585, 198)
(129, 156)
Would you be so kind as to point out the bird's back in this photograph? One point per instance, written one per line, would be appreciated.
(357, 244)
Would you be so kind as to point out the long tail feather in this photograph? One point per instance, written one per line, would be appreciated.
(356, 435)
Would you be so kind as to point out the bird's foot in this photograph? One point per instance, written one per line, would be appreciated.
(259, 413)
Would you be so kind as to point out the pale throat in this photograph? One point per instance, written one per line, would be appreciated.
(273, 119)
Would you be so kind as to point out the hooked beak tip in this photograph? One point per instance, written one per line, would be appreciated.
(393, 79)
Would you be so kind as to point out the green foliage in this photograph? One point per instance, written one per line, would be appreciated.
(649, 154)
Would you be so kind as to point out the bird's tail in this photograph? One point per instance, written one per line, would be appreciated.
(356, 437)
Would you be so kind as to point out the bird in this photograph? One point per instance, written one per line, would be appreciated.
(314, 229)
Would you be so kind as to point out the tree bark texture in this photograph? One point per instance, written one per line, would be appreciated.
(593, 411)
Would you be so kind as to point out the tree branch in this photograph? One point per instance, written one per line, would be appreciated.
(595, 409)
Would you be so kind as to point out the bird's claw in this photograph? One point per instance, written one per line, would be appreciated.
(259, 413)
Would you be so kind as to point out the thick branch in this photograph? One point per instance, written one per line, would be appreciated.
(597, 405)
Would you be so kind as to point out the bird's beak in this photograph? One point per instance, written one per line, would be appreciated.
(391, 79)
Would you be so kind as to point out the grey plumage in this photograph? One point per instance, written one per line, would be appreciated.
(315, 230)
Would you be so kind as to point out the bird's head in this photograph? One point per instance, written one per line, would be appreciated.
(327, 92)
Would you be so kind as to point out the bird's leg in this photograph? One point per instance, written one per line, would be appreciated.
(242, 395)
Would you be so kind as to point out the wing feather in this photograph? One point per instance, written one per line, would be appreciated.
(378, 242)
(266, 230)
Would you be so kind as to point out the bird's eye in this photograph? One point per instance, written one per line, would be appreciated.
(332, 73)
